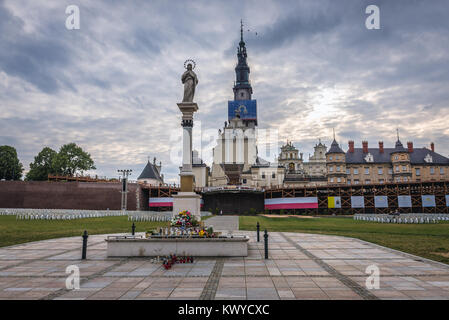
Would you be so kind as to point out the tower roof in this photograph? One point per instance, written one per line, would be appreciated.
(335, 148)
(242, 69)
(150, 172)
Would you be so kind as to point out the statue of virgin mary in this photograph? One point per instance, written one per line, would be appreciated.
(190, 80)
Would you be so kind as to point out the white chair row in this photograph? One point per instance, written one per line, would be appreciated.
(403, 218)
(59, 214)
(159, 216)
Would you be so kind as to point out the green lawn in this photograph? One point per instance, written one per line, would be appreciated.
(14, 231)
(424, 240)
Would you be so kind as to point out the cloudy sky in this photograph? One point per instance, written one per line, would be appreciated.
(112, 86)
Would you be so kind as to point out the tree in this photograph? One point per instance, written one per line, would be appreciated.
(71, 159)
(10, 166)
(42, 165)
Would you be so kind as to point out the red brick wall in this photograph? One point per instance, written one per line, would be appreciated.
(64, 195)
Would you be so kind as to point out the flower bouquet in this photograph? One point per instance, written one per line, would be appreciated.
(184, 219)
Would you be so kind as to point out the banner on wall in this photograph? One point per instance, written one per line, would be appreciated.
(381, 201)
(357, 202)
(291, 203)
(161, 202)
(165, 202)
(428, 200)
(404, 201)
(447, 200)
(333, 202)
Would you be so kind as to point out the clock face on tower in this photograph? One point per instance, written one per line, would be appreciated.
(242, 95)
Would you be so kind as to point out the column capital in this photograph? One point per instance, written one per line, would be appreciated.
(187, 123)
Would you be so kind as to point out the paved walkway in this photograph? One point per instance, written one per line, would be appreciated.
(225, 223)
(301, 266)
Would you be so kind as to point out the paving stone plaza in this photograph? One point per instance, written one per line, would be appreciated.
(300, 266)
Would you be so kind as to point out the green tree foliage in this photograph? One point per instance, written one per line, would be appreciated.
(71, 159)
(10, 166)
(42, 165)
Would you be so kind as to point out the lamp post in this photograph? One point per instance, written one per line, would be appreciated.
(125, 173)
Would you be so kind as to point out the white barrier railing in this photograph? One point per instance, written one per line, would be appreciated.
(403, 218)
(71, 214)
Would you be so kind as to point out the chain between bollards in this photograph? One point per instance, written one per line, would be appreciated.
(258, 229)
(85, 236)
(266, 243)
(133, 229)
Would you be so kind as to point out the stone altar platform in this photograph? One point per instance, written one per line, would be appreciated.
(236, 246)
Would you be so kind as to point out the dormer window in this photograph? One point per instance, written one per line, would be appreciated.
(428, 158)
(369, 158)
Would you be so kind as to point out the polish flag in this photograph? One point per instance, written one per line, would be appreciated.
(291, 203)
(161, 202)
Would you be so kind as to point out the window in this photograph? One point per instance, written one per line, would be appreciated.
(273, 175)
(337, 158)
(397, 168)
(441, 170)
(367, 181)
(356, 181)
(396, 157)
(366, 170)
(349, 181)
(332, 179)
(338, 179)
(398, 179)
(380, 171)
(244, 180)
(390, 171)
(418, 171)
(338, 168)
(405, 179)
(404, 168)
(356, 170)
(432, 170)
(263, 175)
(381, 180)
(348, 171)
(330, 158)
(331, 169)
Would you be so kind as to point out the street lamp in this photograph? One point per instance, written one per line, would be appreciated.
(125, 173)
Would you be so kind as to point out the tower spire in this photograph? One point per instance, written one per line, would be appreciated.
(242, 87)
(397, 133)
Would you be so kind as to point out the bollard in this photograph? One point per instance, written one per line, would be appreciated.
(258, 229)
(266, 243)
(85, 236)
(133, 229)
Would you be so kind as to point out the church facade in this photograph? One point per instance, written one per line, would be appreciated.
(236, 150)
(235, 157)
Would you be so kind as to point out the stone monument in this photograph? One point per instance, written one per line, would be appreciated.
(187, 199)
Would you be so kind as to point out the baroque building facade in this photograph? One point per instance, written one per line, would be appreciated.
(385, 165)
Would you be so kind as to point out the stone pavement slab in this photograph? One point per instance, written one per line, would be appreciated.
(300, 266)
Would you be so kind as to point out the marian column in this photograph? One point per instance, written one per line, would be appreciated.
(187, 199)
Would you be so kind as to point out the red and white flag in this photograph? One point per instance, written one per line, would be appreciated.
(291, 203)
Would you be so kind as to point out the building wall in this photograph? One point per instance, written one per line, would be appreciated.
(65, 195)
(200, 173)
